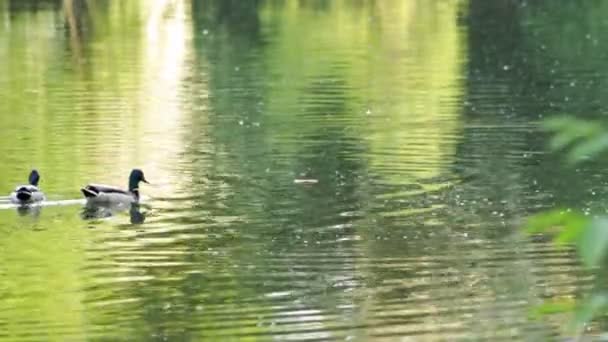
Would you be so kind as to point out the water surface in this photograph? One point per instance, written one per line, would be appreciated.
(418, 121)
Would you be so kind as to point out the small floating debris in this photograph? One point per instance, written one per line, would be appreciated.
(305, 181)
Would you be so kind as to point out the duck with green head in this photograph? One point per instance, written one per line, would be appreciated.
(106, 194)
(28, 193)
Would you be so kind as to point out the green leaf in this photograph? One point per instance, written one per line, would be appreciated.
(568, 224)
(593, 242)
(571, 124)
(590, 308)
(588, 138)
(555, 306)
(562, 139)
(588, 148)
(557, 123)
(572, 230)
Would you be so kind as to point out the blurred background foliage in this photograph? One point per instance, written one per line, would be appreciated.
(578, 140)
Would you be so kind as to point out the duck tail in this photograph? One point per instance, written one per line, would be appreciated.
(88, 193)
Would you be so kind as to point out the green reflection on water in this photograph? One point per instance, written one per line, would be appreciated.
(42, 275)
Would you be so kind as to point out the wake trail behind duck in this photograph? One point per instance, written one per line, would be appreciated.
(6, 204)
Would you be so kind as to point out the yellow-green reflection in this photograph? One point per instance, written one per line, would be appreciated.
(422, 93)
(404, 87)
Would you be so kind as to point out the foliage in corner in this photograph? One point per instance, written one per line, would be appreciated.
(580, 140)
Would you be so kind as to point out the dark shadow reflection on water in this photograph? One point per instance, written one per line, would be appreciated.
(29, 210)
(96, 211)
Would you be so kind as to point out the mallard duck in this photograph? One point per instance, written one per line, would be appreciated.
(29, 193)
(105, 194)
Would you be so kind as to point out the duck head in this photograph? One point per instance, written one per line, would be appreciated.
(136, 176)
(34, 177)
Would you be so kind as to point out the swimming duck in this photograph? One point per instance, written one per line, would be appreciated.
(105, 194)
(29, 193)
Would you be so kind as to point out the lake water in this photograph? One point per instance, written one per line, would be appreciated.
(417, 121)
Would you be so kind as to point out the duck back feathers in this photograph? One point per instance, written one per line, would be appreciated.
(94, 190)
(106, 194)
